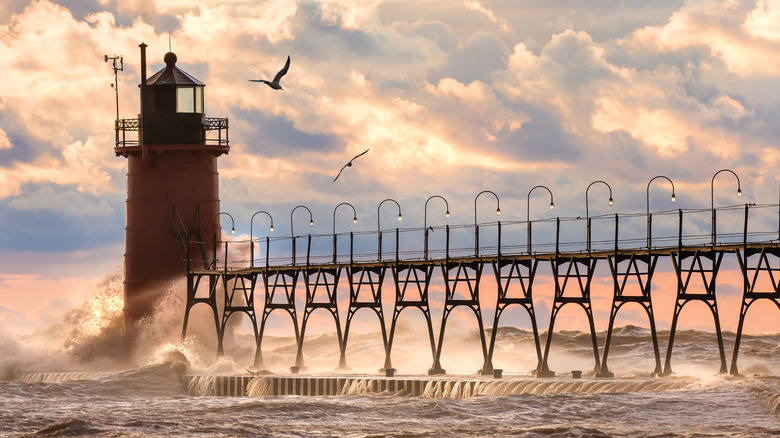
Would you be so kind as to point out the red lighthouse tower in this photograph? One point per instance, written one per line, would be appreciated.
(172, 186)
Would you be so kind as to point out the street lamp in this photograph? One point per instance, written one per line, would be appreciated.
(232, 222)
(425, 219)
(251, 240)
(354, 221)
(650, 218)
(476, 227)
(292, 232)
(378, 230)
(587, 213)
(528, 211)
(712, 196)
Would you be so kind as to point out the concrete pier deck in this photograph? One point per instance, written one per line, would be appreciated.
(311, 385)
(446, 386)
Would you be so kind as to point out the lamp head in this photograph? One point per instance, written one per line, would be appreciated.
(552, 206)
(611, 201)
(272, 228)
(233, 231)
(354, 220)
(447, 214)
(400, 217)
(739, 192)
(498, 211)
(674, 198)
(311, 223)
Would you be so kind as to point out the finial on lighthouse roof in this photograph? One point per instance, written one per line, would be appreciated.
(170, 59)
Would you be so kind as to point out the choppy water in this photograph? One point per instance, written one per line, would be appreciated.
(149, 401)
(98, 400)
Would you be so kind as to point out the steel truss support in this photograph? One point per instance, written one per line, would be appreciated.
(280, 282)
(371, 278)
(239, 298)
(193, 282)
(766, 264)
(455, 274)
(706, 265)
(184, 238)
(523, 271)
(564, 269)
(765, 267)
(317, 279)
(419, 278)
(639, 268)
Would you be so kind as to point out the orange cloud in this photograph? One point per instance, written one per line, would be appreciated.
(701, 24)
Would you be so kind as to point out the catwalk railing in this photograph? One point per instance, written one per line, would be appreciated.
(631, 244)
(209, 124)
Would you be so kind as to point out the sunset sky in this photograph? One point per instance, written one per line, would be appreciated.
(451, 97)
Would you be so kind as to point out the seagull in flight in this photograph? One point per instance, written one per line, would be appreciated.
(275, 83)
(349, 164)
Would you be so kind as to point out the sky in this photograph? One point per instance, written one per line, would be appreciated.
(451, 97)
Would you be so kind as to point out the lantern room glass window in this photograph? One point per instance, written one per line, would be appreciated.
(199, 100)
(189, 100)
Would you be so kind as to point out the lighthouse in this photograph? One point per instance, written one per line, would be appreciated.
(172, 204)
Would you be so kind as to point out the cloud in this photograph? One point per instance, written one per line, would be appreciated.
(47, 88)
(762, 21)
(479, 103)
(347, 15)
(483, 54)
(71, 202)
(426, 32)
(84, 165)
(669, 129)
(5, 143)
(474, 5)
(271, 20)
(727, 29)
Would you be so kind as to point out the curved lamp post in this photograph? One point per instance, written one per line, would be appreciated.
(712, 196)
(425, 219)
(379, 230)
(252, 241)
(528, 211)
(292, 232)
(587, 213)
(214, 227)
(476, 227)
(232, 222)
(650, 218)
(354, 221)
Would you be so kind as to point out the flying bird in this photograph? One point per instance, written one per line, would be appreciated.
(349, 164)
(275, 83)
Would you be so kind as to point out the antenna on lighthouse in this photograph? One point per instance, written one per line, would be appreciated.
(115, 85)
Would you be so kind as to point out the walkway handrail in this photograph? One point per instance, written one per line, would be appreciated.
(510, 242)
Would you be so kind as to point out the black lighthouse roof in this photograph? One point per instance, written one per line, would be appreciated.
(172, 75)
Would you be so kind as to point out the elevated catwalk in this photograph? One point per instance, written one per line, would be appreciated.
(696, 260)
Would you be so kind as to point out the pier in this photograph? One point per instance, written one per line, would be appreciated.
(241, 272)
